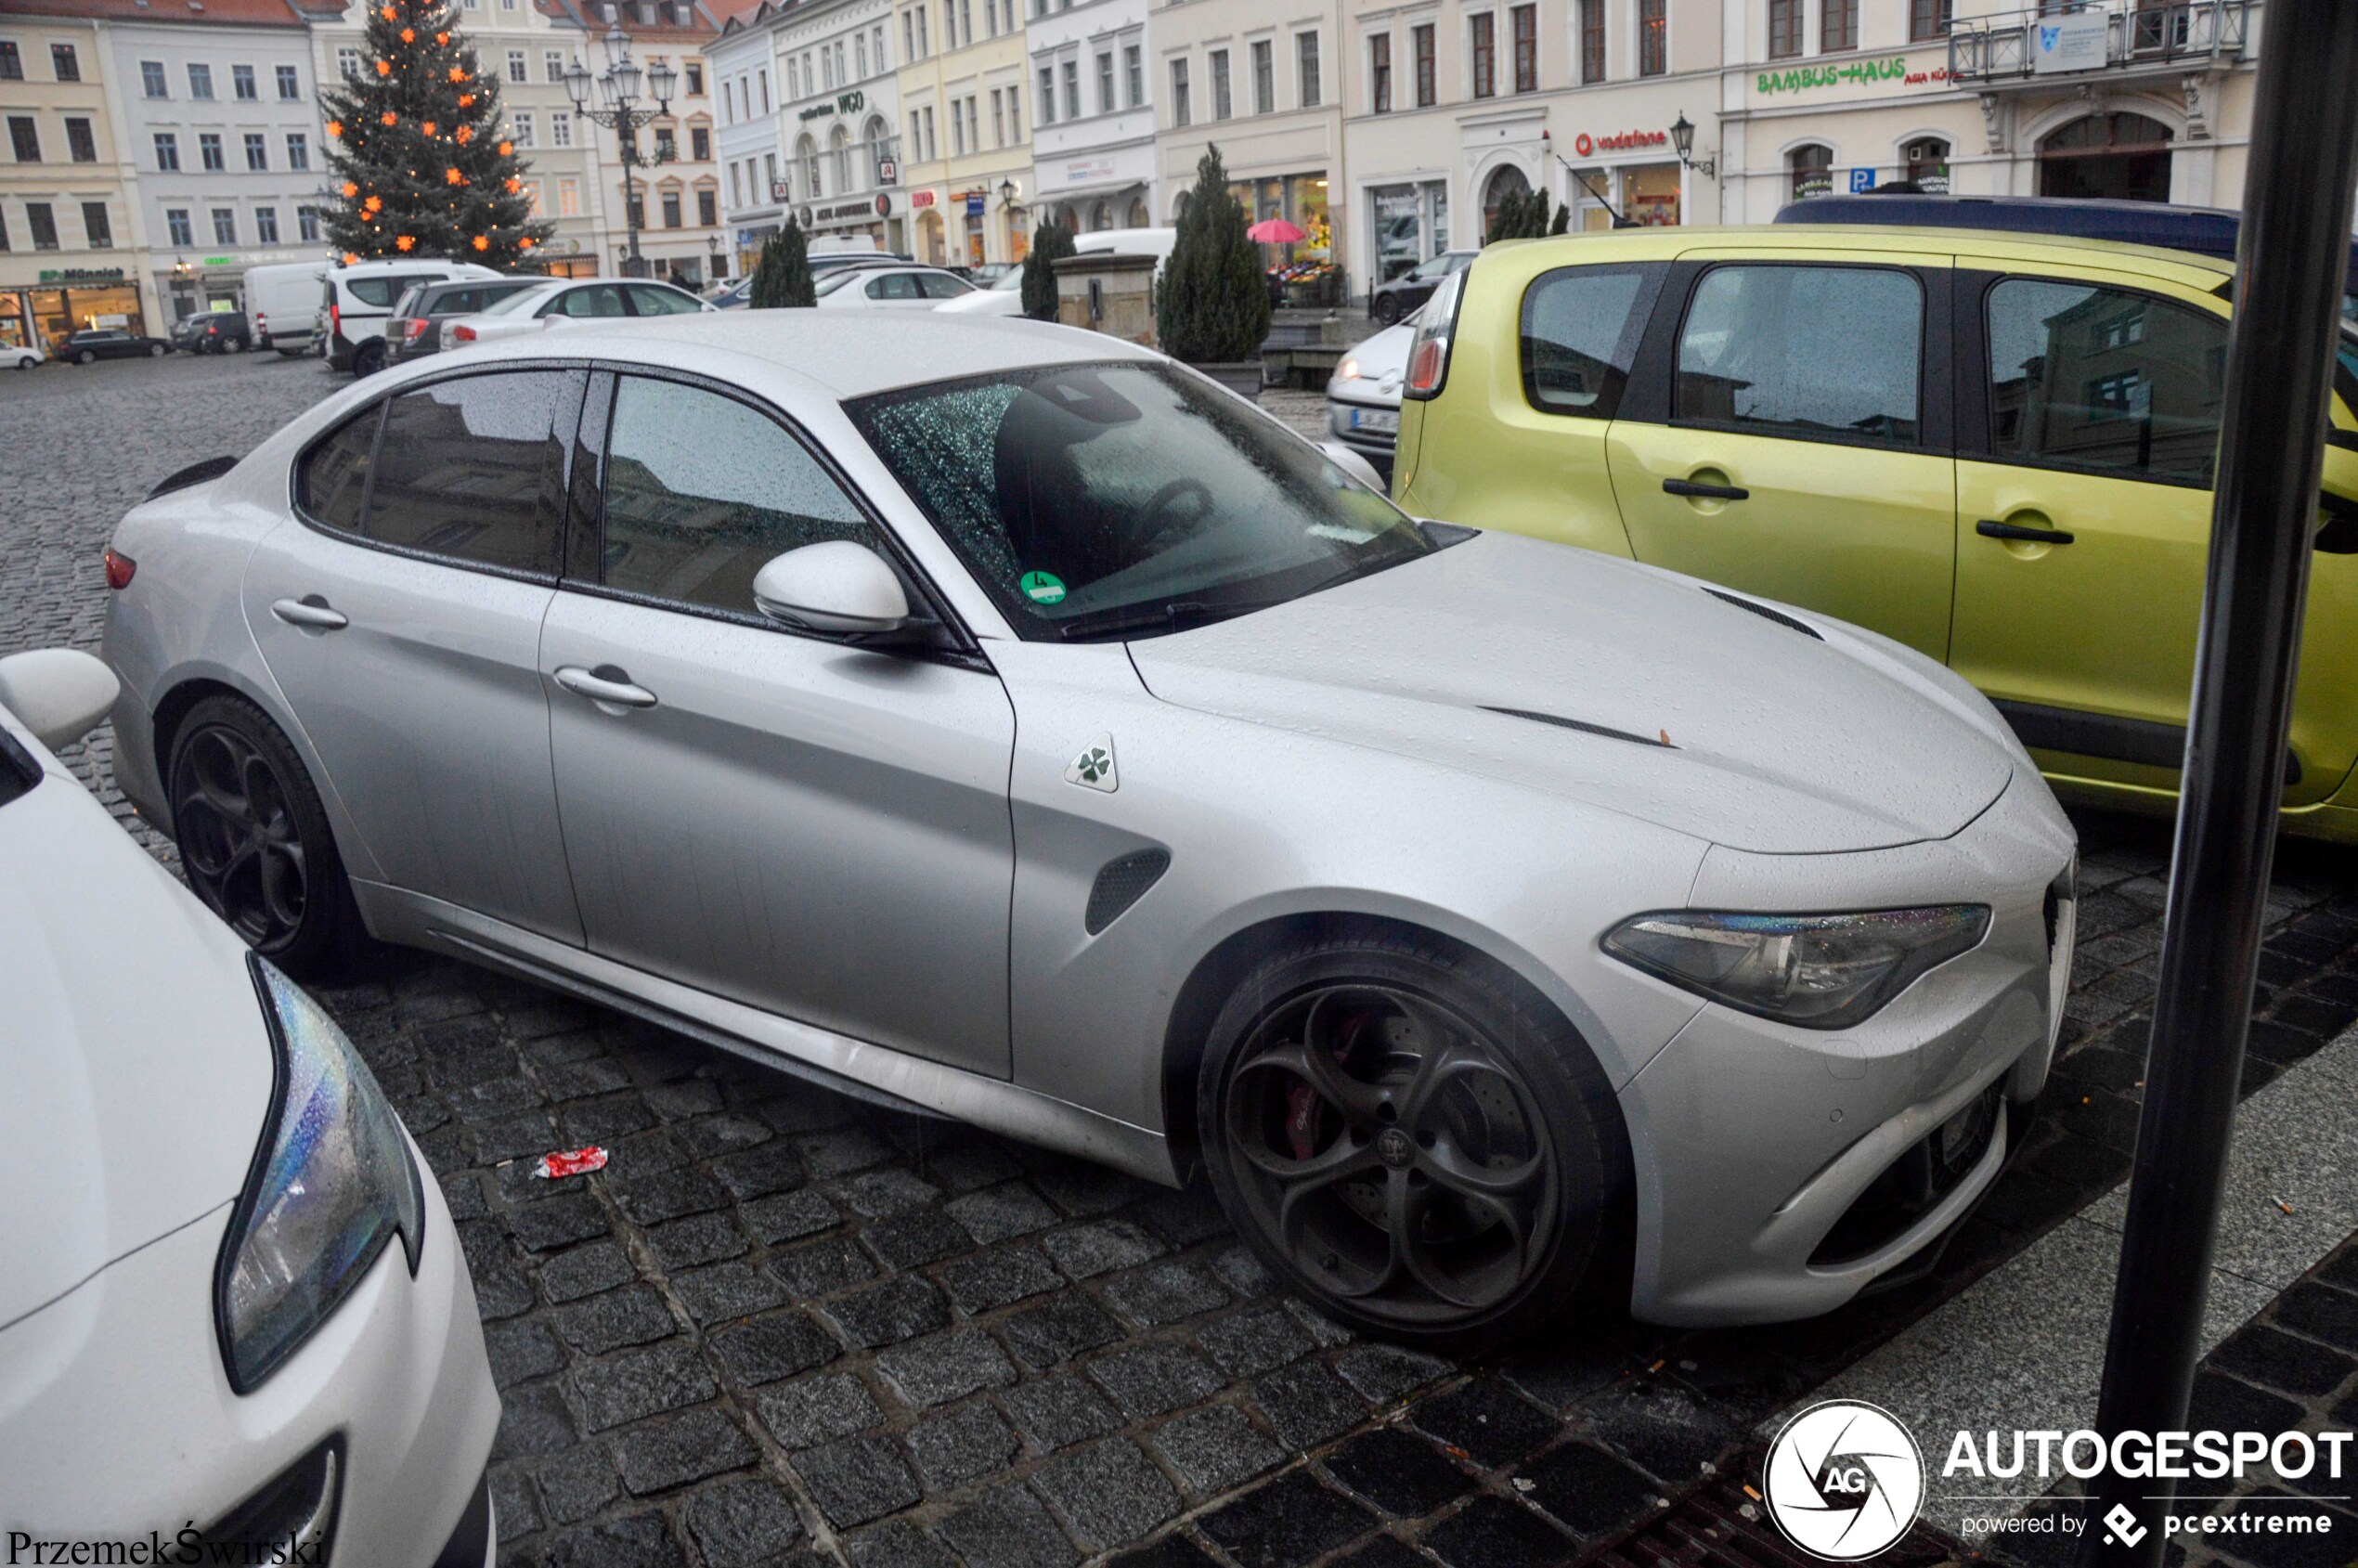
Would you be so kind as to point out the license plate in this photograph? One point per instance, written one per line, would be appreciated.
(1377, 422)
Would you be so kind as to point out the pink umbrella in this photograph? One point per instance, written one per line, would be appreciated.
(1274, 231)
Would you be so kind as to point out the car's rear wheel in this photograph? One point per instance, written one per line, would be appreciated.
(85, 358)
(254, 838)
(1414, 1138)
(1388, 311)
(369, 359)
(155, 351)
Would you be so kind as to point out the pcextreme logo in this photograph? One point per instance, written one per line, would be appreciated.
(1843, 1480)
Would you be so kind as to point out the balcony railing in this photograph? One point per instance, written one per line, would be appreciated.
(2172, 32)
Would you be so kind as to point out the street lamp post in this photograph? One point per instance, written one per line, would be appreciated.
(1682, 139)
(617, 87)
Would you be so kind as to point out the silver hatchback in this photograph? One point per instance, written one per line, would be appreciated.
(1008, 723)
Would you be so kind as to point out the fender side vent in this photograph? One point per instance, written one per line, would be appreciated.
(195, 474)
(1121, 882)
(1585, 727)
(1765, 612)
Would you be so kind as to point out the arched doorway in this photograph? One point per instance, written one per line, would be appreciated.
(1506, 182)
(2117, 157)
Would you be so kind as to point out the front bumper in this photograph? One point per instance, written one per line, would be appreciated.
(116, 1418)
(1376, 445)
(1752, 1139)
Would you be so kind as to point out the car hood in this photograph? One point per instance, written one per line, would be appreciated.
(1623, 687)
(1381, 360)
(138, 1067)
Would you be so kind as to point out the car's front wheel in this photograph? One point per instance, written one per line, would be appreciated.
(369, 359)
(85, 358)
(1388, 311)
(254, 838)
(1414, 1138)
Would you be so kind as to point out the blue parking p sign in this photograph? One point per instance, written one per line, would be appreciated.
(1862, 180)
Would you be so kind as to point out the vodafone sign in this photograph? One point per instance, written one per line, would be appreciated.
(1585, 144)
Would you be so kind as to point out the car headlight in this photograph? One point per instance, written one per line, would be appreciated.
(333, 1182)
(1819, 971)
(1348, 370)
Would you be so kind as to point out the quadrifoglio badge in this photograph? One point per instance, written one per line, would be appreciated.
(1844, 1479)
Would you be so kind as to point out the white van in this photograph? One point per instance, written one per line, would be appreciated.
(282, 304)
(360, 299)
(1005, 296)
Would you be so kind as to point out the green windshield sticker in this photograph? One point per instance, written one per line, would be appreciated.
(1043, 587)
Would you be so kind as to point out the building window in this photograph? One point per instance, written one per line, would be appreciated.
(94, 224)
(1104, 83)
(24, 136)
(347, 62)
(1179, 118)
(671, 216)
(225, 226)
(1525, 21)
(1485, 56)
(1837, 25)
(568, 197)
(700, 144)
(998, 118)
(80, 144)
(520, 127)
(307, 224)
(257, 152)
(1654, 36)
(1380, 72)
(241, 83)
(63, 61)
(167, 151)
(1785, 29)
(1014, 117)
(637, 210)
(298, 150)
(666, 145)
(1305, 54)
(290, 84)
(265, 226)
(516, 69)
(4, 231)
(201, 80)
(708, 207)
(1926, 160)
(1813, 170)
(1264, 78)
(42, 222)
(1421, 43)
(177, 225)
(1223, 101)
(1047, 113)
(153, 81)
(957, 138)
(1134, 75)
(1592, 41)
(560, 128)
(1928, 19)
(11, 62)
(695, 79)
(763, 77)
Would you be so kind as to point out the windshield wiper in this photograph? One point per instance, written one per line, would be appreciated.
(1174, 615)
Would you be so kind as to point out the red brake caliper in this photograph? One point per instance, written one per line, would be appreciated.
(1305, 1112)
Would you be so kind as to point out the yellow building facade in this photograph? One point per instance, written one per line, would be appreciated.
(965, 130)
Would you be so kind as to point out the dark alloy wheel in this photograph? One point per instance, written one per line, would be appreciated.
(1372, 1136)
(255, 839)
(1388, 311)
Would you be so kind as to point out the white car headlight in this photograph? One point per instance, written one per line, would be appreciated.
(332, 1182)
(1819, 971)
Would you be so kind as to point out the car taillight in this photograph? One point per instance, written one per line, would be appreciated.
(261, 322)
(335, 319)
(119, 569)
(1429, 356)
(462, 334)
(413, 331)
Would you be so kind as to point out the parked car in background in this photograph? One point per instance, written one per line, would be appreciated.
(1389, 302)
(1363, 396)
(1004, 297)
(182, 334)
(1084, 891)
(888, 287)
(2040, 519)
(415, 330)
(282, 301)
(221, 332)
(566, 301)
(109, 343)
(234, 1302)
(734, 294)
(20, 355)
(360, 301)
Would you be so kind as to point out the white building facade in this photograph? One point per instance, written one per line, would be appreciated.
(838, 106)
(742, 63)
(1092, 125)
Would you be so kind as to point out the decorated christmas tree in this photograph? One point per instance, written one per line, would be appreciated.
(414, 139)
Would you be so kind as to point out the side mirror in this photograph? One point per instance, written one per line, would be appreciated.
(837, 586)
(59, 694)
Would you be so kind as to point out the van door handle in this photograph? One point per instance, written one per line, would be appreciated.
(311, 611)
(1990, 528)
(607, 685)
(1698, 490)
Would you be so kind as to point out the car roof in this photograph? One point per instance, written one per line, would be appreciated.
(849, 354)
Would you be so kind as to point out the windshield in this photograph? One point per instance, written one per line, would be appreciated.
(519, 299)
(1128, 499)
(1008, 281)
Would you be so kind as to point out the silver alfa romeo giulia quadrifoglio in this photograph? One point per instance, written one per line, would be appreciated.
(1011, 724)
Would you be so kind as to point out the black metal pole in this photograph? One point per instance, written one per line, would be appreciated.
(629, 131)
(2294, 253)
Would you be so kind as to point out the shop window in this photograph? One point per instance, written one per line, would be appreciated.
(1525, 21)
(80, 142)
(1837, 25)
(1485, 56)
(1751, 352)
(1928, 19)
(96, 226)
(153, 83)
(1305, 55)
(1785, 29)
(1812, 167)
(1654, 38)
(1420, 42)
(183, 234)
(241, 83)
(1926, 161)
(1380, 72)
(1592, 41)
(64, 62)
(2106, 381)
(24, 138)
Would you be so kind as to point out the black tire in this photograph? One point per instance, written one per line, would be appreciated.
(1388, 310)
(254, 840)
(85, 358)
(156, 351)
(236, 345)
(1513, 1083)
(369, 359)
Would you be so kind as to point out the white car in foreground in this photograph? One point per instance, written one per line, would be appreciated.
(233, 1309)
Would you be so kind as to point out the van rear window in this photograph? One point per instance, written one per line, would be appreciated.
(382, 291)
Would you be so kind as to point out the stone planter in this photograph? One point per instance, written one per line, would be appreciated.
(1242, 377)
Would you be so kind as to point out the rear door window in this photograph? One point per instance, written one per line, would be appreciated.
(2105, 380)
(1580, 332)
(648, 300)
(892, 286)
(941, 286)
(599, 300)
(1812, 352)
(333, 481)
(473, 469)
(383, 291)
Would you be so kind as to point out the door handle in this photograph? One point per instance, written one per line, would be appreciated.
(1698, 490)
(311, 611)
(1990, 528)
(605, 685)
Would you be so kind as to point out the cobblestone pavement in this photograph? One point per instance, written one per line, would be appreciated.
(781, 1325)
